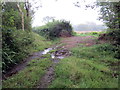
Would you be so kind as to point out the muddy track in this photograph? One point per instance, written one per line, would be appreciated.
(49, 76)
(71, 42)
(22, 65)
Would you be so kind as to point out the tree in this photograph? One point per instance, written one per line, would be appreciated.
(48, 19)
(110, 12)
(17, 14)
(22, 15)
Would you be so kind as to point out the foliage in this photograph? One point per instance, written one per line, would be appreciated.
(18, 44)
(53, 29)
(30, 76)
(11, 16)
(87, 67)
(15, 46)
(110, 12)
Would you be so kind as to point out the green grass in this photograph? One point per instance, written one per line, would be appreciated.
(88, 67)
(21, 45)
(40, 43)
(95, 34)
(30, 76)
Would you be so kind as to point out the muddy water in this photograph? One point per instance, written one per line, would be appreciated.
(47, 50)
(49, 75)
(24, 63)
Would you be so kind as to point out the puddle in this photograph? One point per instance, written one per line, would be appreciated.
(60, 57)
(52, 56)
(58, 54)
(47, 50)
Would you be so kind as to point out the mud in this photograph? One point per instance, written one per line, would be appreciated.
(49, 76)
(71, 42)
(21, 65)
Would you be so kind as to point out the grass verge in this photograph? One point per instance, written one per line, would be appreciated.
(95, 34)
(40, 43)
(88, 67)
(30, 76)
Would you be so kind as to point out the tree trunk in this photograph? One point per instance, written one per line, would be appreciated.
(22, 16)
(27, 6)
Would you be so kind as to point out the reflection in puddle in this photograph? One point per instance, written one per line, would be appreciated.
(60, 57)
(52, 55)
(46, 51)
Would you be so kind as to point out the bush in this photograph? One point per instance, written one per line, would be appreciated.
(16, 45)
(53, 29)
(115, 36)
(94, 33)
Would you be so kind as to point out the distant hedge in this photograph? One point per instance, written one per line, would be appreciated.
(53, 29)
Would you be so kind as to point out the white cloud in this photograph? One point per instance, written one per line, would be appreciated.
(65, 9)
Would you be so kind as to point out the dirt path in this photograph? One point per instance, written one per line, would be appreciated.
(71, 42)
(68, 43)
(49, 76)
(22, 65)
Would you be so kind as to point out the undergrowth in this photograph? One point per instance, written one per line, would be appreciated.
(18, 44)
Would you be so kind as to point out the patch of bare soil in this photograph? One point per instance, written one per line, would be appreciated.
(70, 42)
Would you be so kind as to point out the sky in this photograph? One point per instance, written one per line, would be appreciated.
(65, 9)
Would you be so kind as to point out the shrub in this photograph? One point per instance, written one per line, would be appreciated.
(53, 29)
(16, 45)
(115, 36)
(94, 33)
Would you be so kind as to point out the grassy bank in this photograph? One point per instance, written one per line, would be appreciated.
(30, 76)
(18, 44)
(40, 43)
(88, 67)
(36, 68)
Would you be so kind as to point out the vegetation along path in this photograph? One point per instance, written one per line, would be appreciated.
(67, 43)
(53, 60)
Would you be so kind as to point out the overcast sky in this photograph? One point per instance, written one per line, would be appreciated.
(65, 9)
